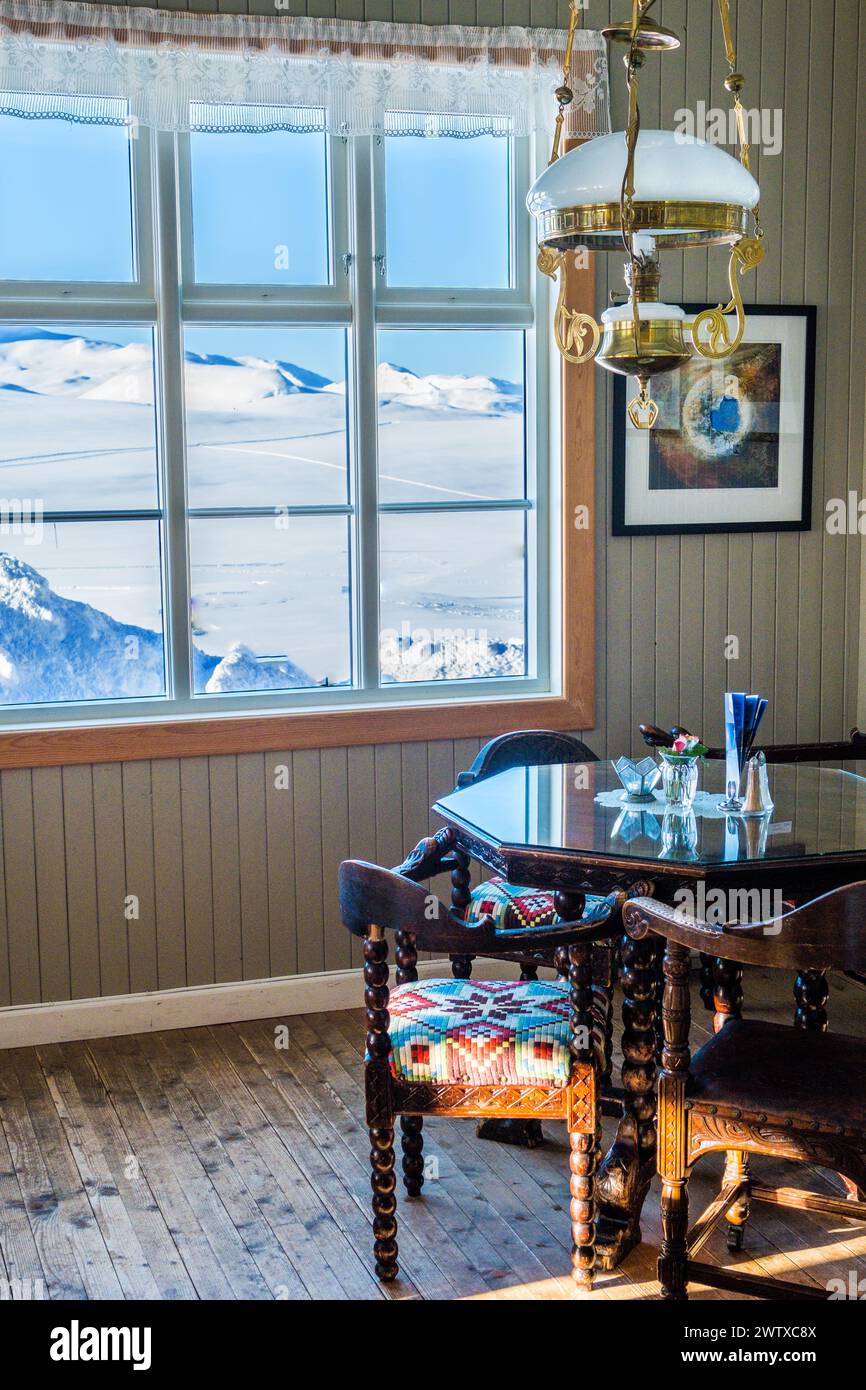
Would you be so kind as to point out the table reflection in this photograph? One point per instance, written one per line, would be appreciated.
(817, 811)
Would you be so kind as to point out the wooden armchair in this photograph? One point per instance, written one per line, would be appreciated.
(755, 1088)
(523, 913)
(468, 1047)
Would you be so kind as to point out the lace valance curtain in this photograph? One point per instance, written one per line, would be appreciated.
(109, 64)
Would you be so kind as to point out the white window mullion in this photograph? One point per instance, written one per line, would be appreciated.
(170, 417)
(363, 360)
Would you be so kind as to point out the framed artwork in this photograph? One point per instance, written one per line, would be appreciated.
(732, 447)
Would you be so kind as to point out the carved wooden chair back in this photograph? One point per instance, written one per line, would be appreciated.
(375, 901)
(526, 748)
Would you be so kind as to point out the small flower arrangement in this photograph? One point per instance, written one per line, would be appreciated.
(686, 746)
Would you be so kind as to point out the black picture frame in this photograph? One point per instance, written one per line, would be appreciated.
(621, 385)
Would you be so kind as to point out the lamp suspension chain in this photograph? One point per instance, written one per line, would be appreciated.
(633, 62)
(564, 93)
(734, 84)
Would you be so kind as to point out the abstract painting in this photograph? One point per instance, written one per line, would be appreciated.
(731, 449)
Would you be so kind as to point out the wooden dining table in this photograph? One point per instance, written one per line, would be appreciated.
(568, 828)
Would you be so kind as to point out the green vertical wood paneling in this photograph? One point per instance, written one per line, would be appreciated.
(253, 858)
(335, 848)
(49, 853)
(168, 885)
(108, 815)
(279, 813)
(80, 882)
(19, 858)
(198, 915)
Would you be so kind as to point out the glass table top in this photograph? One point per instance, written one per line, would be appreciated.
(818, 812)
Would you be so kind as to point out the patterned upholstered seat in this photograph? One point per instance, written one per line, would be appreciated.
(490, 1032)
(518, 909)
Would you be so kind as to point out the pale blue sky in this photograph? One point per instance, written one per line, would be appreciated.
(69, 186)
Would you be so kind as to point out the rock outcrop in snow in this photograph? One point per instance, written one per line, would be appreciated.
(54, 648)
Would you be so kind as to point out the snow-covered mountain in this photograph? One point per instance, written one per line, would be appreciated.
(39, 361)
(55, 648)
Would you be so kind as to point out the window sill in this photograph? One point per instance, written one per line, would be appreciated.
(187, 737)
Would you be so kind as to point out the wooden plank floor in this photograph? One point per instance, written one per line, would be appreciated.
(232, 1162)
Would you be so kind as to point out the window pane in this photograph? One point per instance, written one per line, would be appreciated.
(70, 187)
(80, 611)
(453, 595)
(260, 207)
(271, 602)
(266, 416)
(451, 415)
(447, 211)
(77, 424)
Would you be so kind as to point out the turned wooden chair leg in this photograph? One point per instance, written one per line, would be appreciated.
(413, 1154)
(674, 1252)
(384, 1184)
(461, 896)
(583, 1156)
(673, 1123)
(582, 1164)
(737, 1169)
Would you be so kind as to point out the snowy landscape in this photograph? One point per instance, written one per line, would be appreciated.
(80, 601)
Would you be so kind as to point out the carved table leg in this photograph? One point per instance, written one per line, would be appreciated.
(603, 974)
(707, 982)
(628, 1167)
(727, 991)
(811, 994)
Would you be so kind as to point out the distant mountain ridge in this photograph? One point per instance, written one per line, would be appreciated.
(46, 363)
(55, 648)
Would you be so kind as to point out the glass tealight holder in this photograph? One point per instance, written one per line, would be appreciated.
(638, 779)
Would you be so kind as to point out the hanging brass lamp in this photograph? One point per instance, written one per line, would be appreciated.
(647, 191)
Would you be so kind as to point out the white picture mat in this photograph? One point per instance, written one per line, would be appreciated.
(693, 506)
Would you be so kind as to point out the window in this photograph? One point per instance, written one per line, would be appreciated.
(283, 452)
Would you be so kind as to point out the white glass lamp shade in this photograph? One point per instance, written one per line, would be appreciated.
(687, 193)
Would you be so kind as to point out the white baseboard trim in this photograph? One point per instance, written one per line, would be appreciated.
(32, 1025)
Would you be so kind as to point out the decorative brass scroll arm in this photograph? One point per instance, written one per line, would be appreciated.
(570, 326)
(745, 256)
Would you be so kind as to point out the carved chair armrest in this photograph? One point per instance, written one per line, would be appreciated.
(642, 915)
(431, 856)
